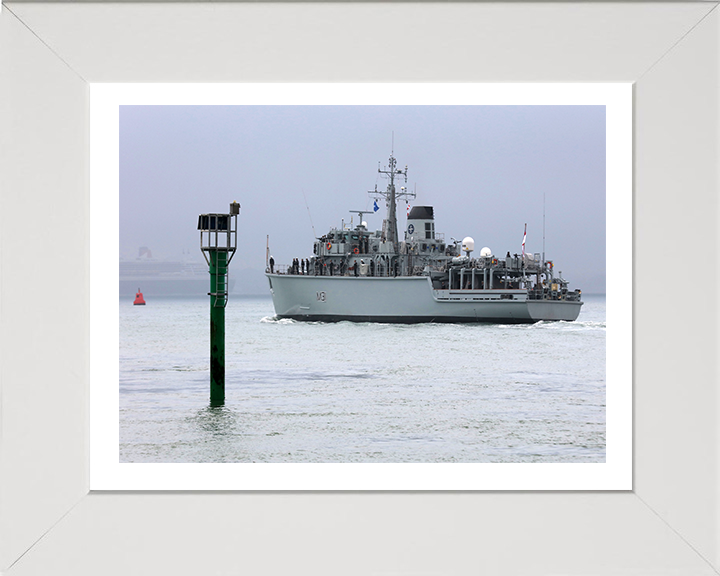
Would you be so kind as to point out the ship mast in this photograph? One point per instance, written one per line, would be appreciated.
(391, 196)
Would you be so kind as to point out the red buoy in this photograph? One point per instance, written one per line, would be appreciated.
(139, 298)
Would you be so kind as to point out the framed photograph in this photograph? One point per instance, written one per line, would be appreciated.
(360, 419)
(60, 512)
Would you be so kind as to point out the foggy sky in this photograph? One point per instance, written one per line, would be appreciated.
(484, 169)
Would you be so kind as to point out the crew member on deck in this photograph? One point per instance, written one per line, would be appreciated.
(272, 264)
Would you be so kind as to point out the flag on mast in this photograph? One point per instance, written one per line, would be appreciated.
(524, 236)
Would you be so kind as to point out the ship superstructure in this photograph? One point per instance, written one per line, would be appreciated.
(373, 276)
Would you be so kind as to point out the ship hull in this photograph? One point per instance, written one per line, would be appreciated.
(407, 300)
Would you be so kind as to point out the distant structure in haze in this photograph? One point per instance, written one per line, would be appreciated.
(159, 277)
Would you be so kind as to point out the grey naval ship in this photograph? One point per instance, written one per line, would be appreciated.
(363, 276)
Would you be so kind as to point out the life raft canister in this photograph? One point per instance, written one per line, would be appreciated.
(139, 298)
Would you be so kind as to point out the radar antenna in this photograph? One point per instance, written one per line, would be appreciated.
(360, 214)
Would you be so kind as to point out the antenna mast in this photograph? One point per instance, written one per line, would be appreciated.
(391, 197)
(309, 216)
(543, 257)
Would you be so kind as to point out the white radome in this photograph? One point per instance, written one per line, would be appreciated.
(468, 244)
(485, 252)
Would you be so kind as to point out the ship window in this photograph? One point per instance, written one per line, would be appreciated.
(428, 230)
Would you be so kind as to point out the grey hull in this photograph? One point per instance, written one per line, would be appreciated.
(408, 299)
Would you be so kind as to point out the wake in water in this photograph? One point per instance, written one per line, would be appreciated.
(276, 320)
(564, 325)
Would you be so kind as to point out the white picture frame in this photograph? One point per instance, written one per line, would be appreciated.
(48, 55)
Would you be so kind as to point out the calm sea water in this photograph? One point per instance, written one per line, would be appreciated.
(345, 392)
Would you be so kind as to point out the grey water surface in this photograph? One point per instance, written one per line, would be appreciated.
(347, 392)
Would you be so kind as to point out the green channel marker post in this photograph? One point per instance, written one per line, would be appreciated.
(218, 272)
(218, 242)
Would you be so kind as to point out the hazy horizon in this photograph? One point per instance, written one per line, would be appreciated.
(484, 169)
